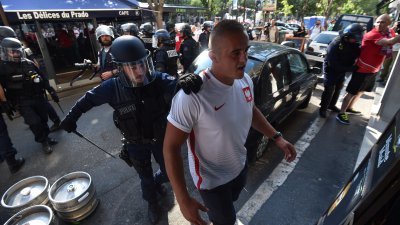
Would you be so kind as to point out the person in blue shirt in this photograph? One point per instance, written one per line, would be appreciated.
(140, 97)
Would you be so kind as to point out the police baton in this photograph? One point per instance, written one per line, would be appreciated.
(59, 106)
(91, 142)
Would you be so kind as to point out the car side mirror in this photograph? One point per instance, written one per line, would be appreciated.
(316, 70)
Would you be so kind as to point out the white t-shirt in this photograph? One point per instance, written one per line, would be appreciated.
(315, 30)
(218, 119)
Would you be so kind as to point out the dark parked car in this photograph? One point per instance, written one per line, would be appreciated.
(283, 82)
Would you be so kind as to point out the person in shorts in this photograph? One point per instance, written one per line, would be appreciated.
(376, 46)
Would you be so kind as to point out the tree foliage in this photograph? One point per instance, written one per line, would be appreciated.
(327, 8)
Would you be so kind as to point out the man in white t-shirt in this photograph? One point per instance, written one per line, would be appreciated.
(316, 29)
(215, 122)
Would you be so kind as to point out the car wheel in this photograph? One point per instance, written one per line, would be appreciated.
(306, 101)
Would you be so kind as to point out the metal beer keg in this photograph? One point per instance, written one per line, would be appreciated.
(27, 192)
(73, 196)
(37, 214)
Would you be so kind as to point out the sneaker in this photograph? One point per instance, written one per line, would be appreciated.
(334, 109)
(352, 111)
(343, 118)
(322, 113)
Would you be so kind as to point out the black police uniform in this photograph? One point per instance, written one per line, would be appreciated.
(148, 42)
(50, 109)
(6, 147)
(203, 40)
(25, 87)
(106, 63)
(165, 60)
(140, 114)
(189, 50)
(340, 58)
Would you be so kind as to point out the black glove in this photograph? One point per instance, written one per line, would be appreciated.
(8, 109)
(68, 124)
(54, 96)
(189, 83)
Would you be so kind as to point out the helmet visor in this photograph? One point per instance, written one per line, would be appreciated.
(138, 73)
(12, 54)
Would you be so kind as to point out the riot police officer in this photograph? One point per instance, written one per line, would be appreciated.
(189, 48)
(105, 36)
(141, 98)
(204, 36)
(25, 87)
(6, 31)
(165, 56)
(170, 27)
(130, 29)
(7, 151)
(147, 36)
(340, 58)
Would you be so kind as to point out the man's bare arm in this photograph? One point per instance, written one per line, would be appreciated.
(388, 41)
(2, 94)
(173, 140)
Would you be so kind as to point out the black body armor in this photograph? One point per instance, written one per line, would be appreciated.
(165, 60)
(141, 113)
(22, 80)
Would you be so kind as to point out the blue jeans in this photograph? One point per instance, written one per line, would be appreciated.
(219, 200)
(140, 155)
(6, 147)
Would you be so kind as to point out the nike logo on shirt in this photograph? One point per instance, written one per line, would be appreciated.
(216, 108)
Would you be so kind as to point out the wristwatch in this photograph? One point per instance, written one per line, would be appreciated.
(276, 135)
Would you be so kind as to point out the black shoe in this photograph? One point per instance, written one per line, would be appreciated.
(55, 126)
(52, 141)
(322, 113)
(46, 147)
(15, 164)
(153, 213)
(334, 109)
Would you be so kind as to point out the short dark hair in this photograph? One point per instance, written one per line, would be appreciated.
(224, 27)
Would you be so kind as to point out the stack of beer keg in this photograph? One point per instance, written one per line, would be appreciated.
(73, 198)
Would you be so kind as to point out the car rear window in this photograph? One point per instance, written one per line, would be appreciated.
(325, 38)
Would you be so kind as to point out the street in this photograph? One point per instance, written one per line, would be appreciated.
(276, 193)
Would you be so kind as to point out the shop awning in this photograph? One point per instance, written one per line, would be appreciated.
(23, 10)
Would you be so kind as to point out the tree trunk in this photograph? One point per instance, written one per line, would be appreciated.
(158, 7)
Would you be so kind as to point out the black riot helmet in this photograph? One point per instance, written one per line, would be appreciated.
(170, 27)
(147, 29)
(185, 30)
(161, 36)
(104, 30)
(130, 29)
(206, 25)
(11, 50)
(134, 59)
(6, 31)
(355, 31)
